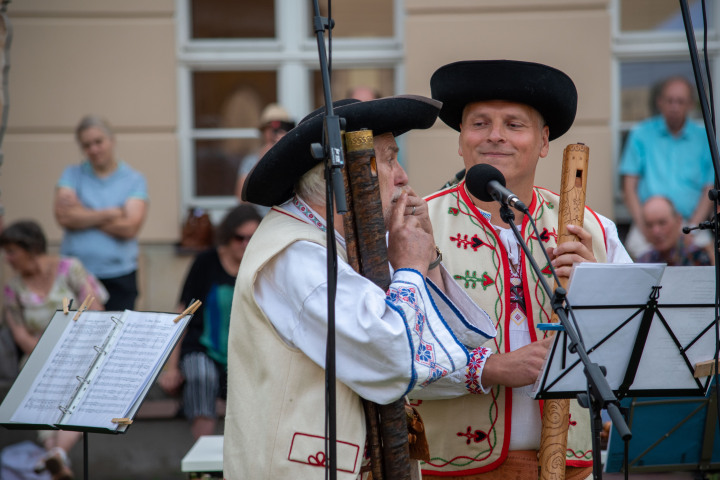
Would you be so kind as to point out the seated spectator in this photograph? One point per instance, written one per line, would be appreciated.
(31, 298)
(663, 225)
(668, 155)
(201, 357)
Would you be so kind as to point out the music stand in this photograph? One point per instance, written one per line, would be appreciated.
(674, 434)
(88, 366)
(649, 326)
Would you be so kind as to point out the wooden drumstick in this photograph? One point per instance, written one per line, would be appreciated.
(555, 420)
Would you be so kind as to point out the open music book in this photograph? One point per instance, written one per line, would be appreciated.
(91, 373)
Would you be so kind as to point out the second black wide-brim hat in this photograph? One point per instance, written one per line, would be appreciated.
(272, 180)
(546, 89)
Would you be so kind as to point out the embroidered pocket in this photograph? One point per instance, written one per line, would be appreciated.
(310, 450)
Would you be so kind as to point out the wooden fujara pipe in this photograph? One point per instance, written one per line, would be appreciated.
(556, 413)
(367, 254)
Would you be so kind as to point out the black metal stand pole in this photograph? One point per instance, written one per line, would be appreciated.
(333, 155)
(598, 388)
(709, 122)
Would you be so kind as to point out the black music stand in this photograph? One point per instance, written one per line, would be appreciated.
(648, 333)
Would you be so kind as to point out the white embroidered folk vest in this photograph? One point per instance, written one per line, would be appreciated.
(471, 434)
(262, 438)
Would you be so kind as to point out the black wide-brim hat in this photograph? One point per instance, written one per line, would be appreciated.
(272, 180)
(546, 89)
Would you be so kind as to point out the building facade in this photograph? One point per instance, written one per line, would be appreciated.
(183, 83)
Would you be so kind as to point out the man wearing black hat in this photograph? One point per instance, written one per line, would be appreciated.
(388, 343)
(507, 112)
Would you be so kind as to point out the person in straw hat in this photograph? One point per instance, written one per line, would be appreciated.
(506, 113)
(275, 122)
(388, 342)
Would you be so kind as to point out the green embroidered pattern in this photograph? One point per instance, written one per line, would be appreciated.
(471, 280)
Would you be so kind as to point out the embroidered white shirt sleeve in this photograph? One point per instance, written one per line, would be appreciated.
(387, 344)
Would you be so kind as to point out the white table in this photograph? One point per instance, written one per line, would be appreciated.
(205, 456)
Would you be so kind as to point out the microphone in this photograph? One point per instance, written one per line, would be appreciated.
(487, 184)
(455, 180)
(706, 225)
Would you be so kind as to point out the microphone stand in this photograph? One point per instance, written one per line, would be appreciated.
(709, 120)
(332, 153)
(599, 395)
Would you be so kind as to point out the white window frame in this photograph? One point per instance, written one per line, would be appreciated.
(639, 46)
(293, 54)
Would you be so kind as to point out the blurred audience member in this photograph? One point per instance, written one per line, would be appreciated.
(668, 155)
(31, 298)
(663, 226)
(102, 203)
(275, 122)
(201, 357)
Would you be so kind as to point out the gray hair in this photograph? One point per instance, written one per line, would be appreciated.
(311, 186)
(90, 121)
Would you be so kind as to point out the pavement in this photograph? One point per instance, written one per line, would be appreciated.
(151, 449)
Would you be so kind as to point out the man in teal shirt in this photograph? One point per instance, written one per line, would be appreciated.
(667, 155)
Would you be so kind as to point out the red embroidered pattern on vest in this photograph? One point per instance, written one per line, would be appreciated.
(545, 235)
(547, 271)
(317, 460)
(476, 436)
(571, 421)
(580, 454)
(462, 241)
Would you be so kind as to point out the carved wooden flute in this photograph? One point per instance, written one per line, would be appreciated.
(555, 420)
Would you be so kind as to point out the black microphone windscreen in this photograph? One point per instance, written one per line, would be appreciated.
(478, 177)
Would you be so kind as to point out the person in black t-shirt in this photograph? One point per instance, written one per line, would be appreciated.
(200, 359)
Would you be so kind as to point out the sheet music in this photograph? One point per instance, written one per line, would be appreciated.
(57, 382)
(115, 385)
(84, 373)
(684, 310)
(622, 283)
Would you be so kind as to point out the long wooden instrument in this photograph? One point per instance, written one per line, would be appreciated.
(367, 254)
(555, 420)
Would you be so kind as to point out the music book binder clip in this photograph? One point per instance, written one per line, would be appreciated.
(66, 305)
(189, 310)
(122, 421)
(85, 305)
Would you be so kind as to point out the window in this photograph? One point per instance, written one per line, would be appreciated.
(237, 57)
(649, 45)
